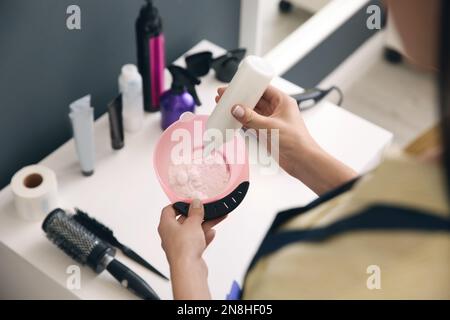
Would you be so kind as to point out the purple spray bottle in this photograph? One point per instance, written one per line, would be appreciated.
(180, 98)
(151, 55)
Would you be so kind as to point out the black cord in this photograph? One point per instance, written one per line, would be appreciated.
(311, 97)
(340, 93)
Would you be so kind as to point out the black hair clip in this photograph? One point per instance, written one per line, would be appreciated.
(224, 66)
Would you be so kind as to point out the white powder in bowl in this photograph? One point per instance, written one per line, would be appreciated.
(204, 178)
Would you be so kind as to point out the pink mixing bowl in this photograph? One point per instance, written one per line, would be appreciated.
(234, 153)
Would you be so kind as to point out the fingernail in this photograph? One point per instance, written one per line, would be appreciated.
(196, 204)
(238, 112)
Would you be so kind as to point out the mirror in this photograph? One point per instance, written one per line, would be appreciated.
(282, 17)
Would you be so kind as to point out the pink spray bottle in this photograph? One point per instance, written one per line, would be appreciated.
(150, 54)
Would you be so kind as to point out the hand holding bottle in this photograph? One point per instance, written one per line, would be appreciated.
(299, 153)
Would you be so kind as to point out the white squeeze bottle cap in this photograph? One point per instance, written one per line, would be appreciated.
(246, 88)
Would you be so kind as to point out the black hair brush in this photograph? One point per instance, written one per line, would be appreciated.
(88, 249)
(107, 235)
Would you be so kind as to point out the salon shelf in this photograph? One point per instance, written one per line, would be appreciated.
(124, 193)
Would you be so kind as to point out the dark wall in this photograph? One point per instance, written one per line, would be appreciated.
(44, 66)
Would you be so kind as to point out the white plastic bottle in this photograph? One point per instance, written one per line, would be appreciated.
(82, 118)
(246, 88)
(130, 86)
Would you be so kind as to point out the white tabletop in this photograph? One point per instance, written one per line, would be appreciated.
(124, 194)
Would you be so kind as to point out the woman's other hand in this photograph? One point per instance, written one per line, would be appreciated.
(184, 239)
(299, 154)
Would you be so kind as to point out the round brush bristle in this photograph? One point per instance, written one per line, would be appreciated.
(70, 236)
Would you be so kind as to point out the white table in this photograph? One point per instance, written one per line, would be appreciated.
(124, 194)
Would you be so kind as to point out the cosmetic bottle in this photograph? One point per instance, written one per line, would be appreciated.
(180, 97)
(246, 88)
(116, 123)
(130, 86)
(82, 118)
(150, 54)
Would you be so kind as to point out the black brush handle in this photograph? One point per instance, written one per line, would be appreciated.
(131, 280)
(134, 256)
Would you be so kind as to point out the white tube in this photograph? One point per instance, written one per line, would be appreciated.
(130, 86)
(82, 117)
(246, 88)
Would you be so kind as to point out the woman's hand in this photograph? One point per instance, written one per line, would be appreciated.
(299, 154)
(184, 240)
(276, 110)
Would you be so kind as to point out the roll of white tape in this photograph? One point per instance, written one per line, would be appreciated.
(35, 192)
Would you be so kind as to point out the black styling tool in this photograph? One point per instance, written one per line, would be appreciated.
(311, 97)
(85, 248)
(107, 235)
